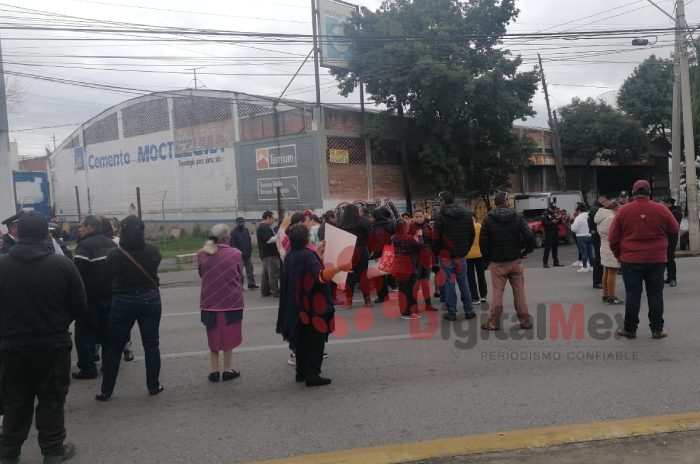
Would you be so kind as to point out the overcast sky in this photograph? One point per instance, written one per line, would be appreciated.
(583, 68)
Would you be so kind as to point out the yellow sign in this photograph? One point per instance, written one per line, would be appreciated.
(339, 156)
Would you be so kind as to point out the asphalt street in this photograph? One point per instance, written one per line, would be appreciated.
(392, 383)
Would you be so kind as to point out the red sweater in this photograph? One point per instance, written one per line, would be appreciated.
(639, 233)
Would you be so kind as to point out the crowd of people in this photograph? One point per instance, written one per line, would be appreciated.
(112, 283)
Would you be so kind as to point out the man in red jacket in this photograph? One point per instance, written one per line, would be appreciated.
(639, 239)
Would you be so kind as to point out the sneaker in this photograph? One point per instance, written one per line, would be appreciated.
(69, 451)
(615, 301)
(325, 355)
(577, 264)
(253, 286)
(658, 335)
(484, 300)
(292, 361)
(317, 381)
(558, 264)
(673, 283)
(411, 316)
(476, 302)
(469, 315)
(450, 316)
(583, 269)
(621, 332)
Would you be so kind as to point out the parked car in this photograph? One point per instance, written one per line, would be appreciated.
(532, 205)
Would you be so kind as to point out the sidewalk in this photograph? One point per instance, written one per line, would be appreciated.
(668, 448)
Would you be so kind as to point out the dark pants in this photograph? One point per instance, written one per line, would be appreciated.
(423, 280)
(309, 351)
(671, 257)
(551, 243)
(407, 295)
(360, 262)
(43, 375)
(597, 264)
(381, 284)
(652, 275)
(250, 273)
(90, 329)
(139, 307)
(477, 278)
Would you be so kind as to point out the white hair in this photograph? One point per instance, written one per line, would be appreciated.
(218, 232)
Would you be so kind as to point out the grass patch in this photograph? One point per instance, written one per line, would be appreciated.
(180, 246)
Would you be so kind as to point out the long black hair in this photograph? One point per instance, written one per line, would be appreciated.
(351, 216)
(297, 218)
(132, 236)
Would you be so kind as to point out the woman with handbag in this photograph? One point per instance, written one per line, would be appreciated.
(221, 299)
(305, 314)
(136, 299)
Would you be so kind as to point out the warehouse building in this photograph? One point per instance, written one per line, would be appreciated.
(208, 156)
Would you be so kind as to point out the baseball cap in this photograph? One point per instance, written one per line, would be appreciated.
(641, 187)
(240, 219)
(624, 193)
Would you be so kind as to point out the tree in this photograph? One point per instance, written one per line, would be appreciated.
(595, 129)
(16, 94)
(435, 61)
(647, 95)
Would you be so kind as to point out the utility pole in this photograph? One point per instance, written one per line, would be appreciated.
(691, 180)
(554, 128)
(677, 120)
(194, 70)
(8, 204)
(314, 25)
(54, 142)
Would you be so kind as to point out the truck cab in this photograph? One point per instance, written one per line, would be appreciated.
(532, 205)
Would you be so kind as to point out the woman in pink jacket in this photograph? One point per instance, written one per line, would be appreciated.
(221, 299)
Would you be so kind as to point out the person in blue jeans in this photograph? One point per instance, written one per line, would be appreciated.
(136, 299)
(453, 236)
(583, 239)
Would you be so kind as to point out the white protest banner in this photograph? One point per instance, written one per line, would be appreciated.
(340, 246)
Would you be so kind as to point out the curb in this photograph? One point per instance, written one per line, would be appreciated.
(503, 442)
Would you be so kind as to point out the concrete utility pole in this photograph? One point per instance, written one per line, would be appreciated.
(677, 120)
(554, 129)
(8, 204)
(691, 180)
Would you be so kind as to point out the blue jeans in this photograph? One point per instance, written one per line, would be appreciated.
(455, 270)
(585, 247)
(142, 307)
(652, 276)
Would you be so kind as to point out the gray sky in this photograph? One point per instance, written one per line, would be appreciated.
(583, 68)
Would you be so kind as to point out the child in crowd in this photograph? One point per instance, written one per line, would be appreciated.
(407, 250)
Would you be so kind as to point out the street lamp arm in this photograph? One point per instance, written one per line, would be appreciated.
(675, 21)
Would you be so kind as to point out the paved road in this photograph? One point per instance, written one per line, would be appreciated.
(387, 386)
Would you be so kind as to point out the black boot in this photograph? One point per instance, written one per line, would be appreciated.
(317, 381)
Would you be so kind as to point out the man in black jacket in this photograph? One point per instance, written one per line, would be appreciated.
(551, 218)
(35, 341)
(672, 242)
(505, 239)
(91, 260)
(269, 255)
(453, 236)
(240, 238)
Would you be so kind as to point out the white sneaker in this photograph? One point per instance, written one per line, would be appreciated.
(577, 264)
(583, 269)
(411, 316)
(292, 361)
(589, 269)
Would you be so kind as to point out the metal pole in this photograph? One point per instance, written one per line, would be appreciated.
(77, 201)
(368, 145)
(89, 201)
(691, 180)
(556, 145)
(676, 125)
(8, 202)
(138, 201)
(314, 23)
(162, 208)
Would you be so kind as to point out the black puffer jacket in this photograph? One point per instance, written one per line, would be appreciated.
(453, 232)
(91, 260)
(505, 236)
(382, 230)
(41, 293)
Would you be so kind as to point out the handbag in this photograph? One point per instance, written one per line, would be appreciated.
(386, 262)
(140, 268)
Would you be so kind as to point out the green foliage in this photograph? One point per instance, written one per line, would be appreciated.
(647, 95)
(590, 128)
(435, 60)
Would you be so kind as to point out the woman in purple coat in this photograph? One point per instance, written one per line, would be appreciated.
(221, 299)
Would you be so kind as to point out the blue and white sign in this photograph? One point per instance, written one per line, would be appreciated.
(334, 16)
